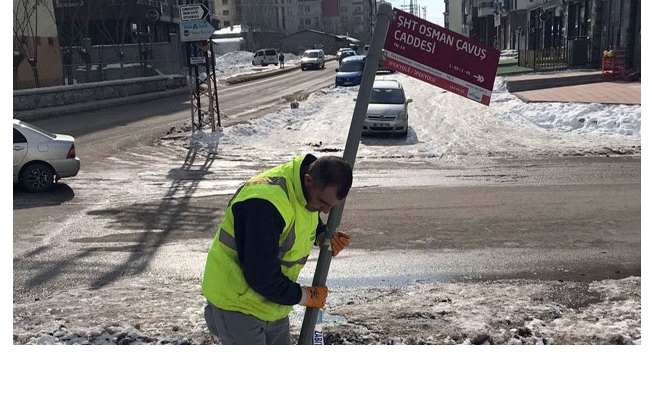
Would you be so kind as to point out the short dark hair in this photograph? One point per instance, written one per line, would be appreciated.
(332, 170)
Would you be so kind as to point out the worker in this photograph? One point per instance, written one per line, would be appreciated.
(262, 244)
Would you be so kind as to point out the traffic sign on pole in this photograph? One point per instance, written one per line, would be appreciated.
(192, 12)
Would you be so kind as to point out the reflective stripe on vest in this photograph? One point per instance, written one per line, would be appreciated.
(229, 241)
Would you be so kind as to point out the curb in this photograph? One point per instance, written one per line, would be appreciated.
(529, 82)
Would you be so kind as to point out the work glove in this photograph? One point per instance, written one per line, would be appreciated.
(313, 296)
(339, 241)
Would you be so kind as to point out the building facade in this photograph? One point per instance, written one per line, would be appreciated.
(37, 56)
(580, 30)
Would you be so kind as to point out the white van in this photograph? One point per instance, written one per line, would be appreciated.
(265, 56)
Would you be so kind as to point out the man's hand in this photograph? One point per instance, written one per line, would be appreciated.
(339, 241)
(313, 296)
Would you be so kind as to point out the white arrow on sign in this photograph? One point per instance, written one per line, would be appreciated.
(480, 78)
(192, 12)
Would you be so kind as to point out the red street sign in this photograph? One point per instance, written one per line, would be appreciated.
(441, 57)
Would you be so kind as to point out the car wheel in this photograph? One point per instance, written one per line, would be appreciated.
(37, 178)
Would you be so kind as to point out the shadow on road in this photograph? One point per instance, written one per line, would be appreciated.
(59, 194)
(143, 227)
(172, 214)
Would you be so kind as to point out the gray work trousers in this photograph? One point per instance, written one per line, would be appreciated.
(232, 327)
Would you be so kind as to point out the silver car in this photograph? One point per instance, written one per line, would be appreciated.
(42, 158)
(387, 112)
(313, 58)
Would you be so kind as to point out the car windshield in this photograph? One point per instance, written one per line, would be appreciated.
(311, 54)
(387, 96)
(351, 66)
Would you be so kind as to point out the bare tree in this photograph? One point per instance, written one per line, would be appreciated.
(73, 27)
(26, 36)
(117, 37)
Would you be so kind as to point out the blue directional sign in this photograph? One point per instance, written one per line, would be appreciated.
(194, 31)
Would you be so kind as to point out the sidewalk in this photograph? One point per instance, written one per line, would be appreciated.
(573, 87)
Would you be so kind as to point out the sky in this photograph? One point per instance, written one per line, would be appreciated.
(534, 129)
(434, 9)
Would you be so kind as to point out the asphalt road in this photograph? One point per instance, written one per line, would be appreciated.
(139, 208)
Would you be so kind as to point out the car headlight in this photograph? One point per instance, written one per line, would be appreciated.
(402, 115)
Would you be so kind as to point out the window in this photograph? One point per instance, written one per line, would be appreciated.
(225, 2)
(225, 12)
(387, 96)
(18, 137)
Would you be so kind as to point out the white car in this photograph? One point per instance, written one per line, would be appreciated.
(313, 58)
(42, 158)
(265, 56)
(387, 113)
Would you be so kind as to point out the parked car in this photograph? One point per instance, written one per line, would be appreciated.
(42, 158)
(345, 54)
(313, 58)
(350, 70)
(387, 112)
(265, 56)
(341, 50)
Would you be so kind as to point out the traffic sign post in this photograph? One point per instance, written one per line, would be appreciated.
(441, 57)
(196, 31)
(350, 150)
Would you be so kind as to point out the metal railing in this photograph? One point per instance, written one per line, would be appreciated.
(547, 59)
(100, 72)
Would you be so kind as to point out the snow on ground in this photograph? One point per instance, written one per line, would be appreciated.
(504, 312)
(507, 128)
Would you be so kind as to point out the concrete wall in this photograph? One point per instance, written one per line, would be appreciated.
(57, 96)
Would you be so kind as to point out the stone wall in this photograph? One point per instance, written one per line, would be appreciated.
(58, 96)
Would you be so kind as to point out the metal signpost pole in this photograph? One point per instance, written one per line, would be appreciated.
(385, 14)
(214, 77)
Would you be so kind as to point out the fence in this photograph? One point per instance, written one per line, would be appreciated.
(547, 59)
(100, 72)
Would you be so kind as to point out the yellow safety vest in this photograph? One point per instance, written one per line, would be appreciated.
(224, 284)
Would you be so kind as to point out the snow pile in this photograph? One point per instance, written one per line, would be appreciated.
(580, 118)
(239, 63)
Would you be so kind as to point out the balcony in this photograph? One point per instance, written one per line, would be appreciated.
(486, 9)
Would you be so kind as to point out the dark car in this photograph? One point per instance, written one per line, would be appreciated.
(344, 54)
(350, 71)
